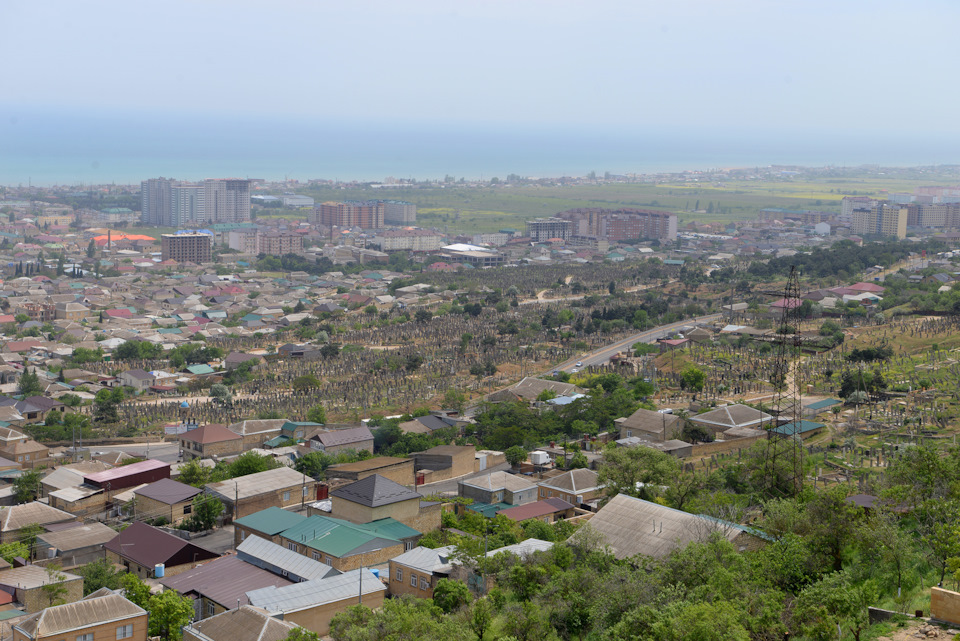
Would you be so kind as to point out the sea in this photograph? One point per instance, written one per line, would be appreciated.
(44, 147)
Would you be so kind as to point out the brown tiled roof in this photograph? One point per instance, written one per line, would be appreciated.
(212, 433)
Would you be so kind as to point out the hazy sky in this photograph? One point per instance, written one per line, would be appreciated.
(863, 65)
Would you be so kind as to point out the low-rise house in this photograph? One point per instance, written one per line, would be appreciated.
(446, 461)
(74, 546)
(396, 469)
(28, 454)
(376, 497)
(650, 425)
(99, 616)
(120, 478)
(141, 549)
(343, 545)
(16, 517)
(70, 476)
(236, 359)
(354, 438)
(530, 388)
(632, 526)
(498, 487)
(138, 379)
(266, 524)
(167, 499)
(730, 416)
(245, 623)
(417, 571)
(574, 486)
(26, 585)
(256, 432)
(313, 604)
(546, 510)
(82, 500)
(282, 561)
(210, 440)
(35, 409)
(426, 424)
(221, 584)
(280, 487)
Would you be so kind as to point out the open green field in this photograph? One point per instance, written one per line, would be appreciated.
(489, 208)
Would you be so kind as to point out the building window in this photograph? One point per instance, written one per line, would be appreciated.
(210, 608)
(187, 509)
(424, 584)
(413, 580)
(409, 545)
(543, 492)
(286, 496)
(316, 556)
(329, 561)
(292, 546)
(305, 491)
(85, 637)
(125, 631)
(398, 575)
(243, 535)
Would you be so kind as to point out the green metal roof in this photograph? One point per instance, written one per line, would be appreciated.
(271, 521)
(793, 428)
(488, 510)
(392, 528)
(11, 614)
(337, 538)
(277, 441)
(200, 369)
(824, 404)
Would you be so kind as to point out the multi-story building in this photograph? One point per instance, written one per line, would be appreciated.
(279, 243)
(193, 247)
(418, 240)
(544, 229)
(398, 212)
(243, 240)
(296, 201)
(621, 224)
(155, 195)
(849, 203)
(186, 205)
(365, 214)
(882, 219)
(226, 200)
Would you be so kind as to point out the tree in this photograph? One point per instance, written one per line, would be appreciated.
(578, 461)
(251, 463)
(450, 595)
(317, 414)
(835, 601)
(455, 399)
(27, 486)
(515, 455)
(194, 474)
(302, 634)
(206, 510)
(105, 405)
(693, 378)
(305, 383)
(30, 383)
(135, 590)
(91, 248)
(423, 316)
(169, 613)
(10, 551)
(481, 617)
(220, 393)
(313, 464)
(637, 471)
(99, 574)
(695, 434)
(54, 588)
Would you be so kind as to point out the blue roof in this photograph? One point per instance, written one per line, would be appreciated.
(824, 404)
(803, 427)
(200, 369)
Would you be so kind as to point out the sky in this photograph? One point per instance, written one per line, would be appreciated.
(857, 65)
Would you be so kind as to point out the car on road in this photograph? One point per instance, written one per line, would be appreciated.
(579, 364)
(574, 370)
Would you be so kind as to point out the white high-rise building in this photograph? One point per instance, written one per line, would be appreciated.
(155, 195)
(226, 200)
(186, 205)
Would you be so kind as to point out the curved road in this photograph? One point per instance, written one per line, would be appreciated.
(602, 355)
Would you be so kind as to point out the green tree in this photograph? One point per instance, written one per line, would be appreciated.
(13, 549)
(169, 613)
(836, 601)
(305, 383)
(302, 634)
(423, 316)
(53, 588)
(105, 405)
(693, 378)
(27, 486)
(251, 463)
(99, 574)
(637, 471)
(29, 383)
(206, 510)
(450, 595)
(481, 617)
(317, 414)
(192, 473)
(135, 590)
(515, 455)
(220, 393)
(91, 248)
(455, 399)
(313, 464)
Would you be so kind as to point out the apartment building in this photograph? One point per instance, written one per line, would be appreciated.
(366, 214)
(192, 247)
(418, 240)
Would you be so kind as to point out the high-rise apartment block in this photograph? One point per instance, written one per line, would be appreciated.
(256, 241)
(544, 229)
(881, 219)
(621, 224)
(190, 247)
(849, 203)
(398, 212)
(365, 214)
(174, 203)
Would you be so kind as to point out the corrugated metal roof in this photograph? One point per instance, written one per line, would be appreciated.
(261, 553)
(375, 491)
(536, 509)
(77, 537)
(244, 624)
(300, 596)
(392, 528)
(225, 580)
(426, 559)
(270, 521)
(524, 548)
(337, 538)
(60, 619)
(125, 471)
(250, 485)
(20, 516)
(345, 437)
(168, 491)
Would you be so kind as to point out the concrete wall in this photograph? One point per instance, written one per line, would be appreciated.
(147, 572)
(425, 520)
(254, 504)
(35, 599)
(399, 582)
(344, 509)
(100, 632)
(92, 504)
(400, 472)
(347, 563)
(706, 449)
(945, 605)
(151, 508)
(318, 619)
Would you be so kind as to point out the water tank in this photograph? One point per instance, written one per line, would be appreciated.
(376, 572)
(158, 571)
(539, 458)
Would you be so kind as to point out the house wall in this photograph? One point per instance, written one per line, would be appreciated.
(14, 535)
(400, 583)
(147, 572)
(295, 495)
(400, 472)
(548, 493)
(251, 441)
(147, 507)
(35, 599)
(359, 445)
(89, 505)
(425, 520)
(241, 533)
(945, 605)
(318, 619)
(705, 449)
(344, 509)
(349, 562)
(100, 632)
(192, 449)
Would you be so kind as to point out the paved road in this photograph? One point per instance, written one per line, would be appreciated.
(602, 355)
(220, 541)
(451, 485)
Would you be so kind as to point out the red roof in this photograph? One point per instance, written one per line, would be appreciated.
(212, 433)
(126, 470)
(790, 303)
(868, 287)
(536, 509)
